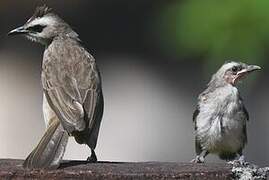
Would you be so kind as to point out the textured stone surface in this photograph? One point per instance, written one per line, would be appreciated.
(12, 169)
(249, 171)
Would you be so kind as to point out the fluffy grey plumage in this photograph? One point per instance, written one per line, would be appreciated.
(73, 100)
(220, 118)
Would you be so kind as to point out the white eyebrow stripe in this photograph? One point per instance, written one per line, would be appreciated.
(42, 21)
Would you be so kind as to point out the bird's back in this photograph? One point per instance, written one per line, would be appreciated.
(70, 77)
(66, 56)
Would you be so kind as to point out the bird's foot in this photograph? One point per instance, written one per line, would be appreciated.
(92, 158)
(241, 161)
(198, 159)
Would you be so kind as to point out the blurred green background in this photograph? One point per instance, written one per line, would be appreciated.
(217, 30)
(155, 58)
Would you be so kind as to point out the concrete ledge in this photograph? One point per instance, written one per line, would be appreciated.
(12, 169)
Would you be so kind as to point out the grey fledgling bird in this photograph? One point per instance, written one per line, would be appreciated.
(220, 117)
(72, 94)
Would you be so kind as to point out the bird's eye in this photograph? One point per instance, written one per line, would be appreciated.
(36, 28)
(235, 69)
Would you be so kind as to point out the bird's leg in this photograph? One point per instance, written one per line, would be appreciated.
(241, 158)
(196, 159)
(201, 157)
(92, 158)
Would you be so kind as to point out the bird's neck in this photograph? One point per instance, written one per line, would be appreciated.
(71, 35)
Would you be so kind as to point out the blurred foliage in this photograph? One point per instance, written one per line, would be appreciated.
(217, 30)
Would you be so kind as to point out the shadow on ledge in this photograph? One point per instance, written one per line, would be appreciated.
(70, 163)
(12, 169)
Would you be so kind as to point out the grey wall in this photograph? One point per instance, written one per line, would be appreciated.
(149, 94)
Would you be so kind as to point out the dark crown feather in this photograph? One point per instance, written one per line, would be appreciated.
(41, 11)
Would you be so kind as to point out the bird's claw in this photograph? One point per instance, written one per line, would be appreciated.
(92, 159)
(241, 161)
(198, 159)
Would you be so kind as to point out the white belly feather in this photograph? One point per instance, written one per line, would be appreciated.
(48, 113)
(220, 133)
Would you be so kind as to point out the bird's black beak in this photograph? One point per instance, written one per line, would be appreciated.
(19, 30)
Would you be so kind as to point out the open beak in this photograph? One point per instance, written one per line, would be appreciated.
(241, 74)
(252, 68)
(248, 69)
(19, 30)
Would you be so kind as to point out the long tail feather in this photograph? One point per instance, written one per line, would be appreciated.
(50, 149)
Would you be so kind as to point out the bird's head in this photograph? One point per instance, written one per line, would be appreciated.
(43, 26)
(233, 72)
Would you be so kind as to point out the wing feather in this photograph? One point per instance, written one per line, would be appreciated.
(71, 84)
(198, 148)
